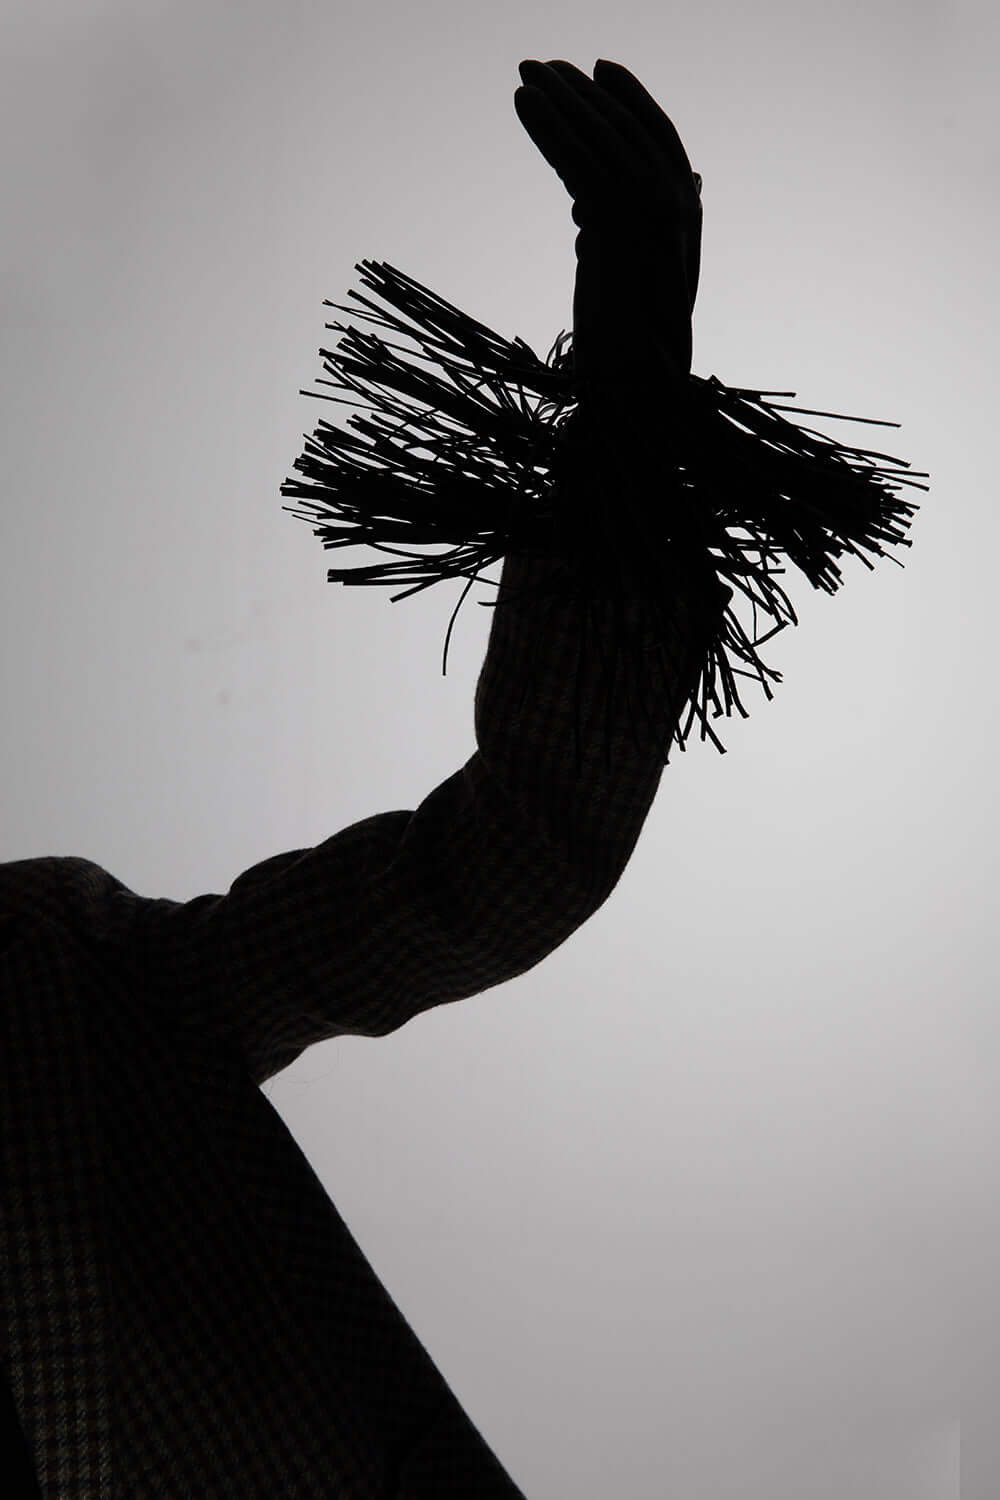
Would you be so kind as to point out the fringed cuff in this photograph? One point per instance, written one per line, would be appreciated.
(680, 502)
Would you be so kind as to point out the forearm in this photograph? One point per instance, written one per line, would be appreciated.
(588, 800)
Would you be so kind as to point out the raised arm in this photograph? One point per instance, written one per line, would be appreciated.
(505, 859)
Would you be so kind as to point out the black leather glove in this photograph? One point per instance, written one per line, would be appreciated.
(637, 203)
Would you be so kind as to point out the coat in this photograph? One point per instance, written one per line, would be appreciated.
(187, 1314)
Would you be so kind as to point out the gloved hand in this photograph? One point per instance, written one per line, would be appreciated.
(638, 206)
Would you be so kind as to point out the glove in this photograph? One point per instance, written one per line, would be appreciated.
(637, 203)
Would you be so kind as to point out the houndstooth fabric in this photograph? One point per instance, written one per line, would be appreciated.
(187, 1314)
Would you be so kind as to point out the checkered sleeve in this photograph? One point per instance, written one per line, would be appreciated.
(407, 910)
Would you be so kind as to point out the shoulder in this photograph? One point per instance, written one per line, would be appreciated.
(65, 890)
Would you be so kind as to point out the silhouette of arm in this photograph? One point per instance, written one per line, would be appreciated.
(502, 862)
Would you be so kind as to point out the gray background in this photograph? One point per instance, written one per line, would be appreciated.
(704, 1205)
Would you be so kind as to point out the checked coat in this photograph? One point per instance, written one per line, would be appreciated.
(186, 1313)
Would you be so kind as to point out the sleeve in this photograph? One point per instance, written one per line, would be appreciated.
(407, 910)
